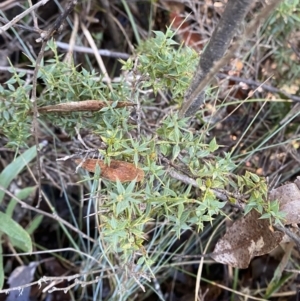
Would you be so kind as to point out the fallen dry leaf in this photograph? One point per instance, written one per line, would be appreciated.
(117, 170)
(246, 238)
(288, 196)
(20, 276)
(82, 106)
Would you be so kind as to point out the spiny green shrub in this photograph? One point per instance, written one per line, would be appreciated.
(168, 146)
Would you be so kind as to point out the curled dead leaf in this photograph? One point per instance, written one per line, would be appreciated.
(246, 238)
(82, 106)
(116, 170)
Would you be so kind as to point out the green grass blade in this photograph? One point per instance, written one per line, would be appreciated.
(34, 224)
(18, 236)
(132, 22)
(15, 167)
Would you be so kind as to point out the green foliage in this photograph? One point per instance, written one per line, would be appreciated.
(16, 234)
(15, 123)
(286, 16)
(61, 83)
(256, 190)
(166, 67)
(285, 22)
(15, 167)
(127, 208)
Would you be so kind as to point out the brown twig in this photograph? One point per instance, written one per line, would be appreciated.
(103, 52)
(294, 237)
(265, 87)
(100, 62)
(30, 29)
(45, 37)
(221, 194)
(189, 181)
(5, 5)
(22, 15)
(35, 20)
(69, 56)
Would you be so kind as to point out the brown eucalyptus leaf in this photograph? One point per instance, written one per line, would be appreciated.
(246, 238)
(288, 196)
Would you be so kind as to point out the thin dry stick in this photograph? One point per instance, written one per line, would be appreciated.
(7, 5)
(76, 282)
(45, 36)
(27, 71)
(261, 85)
(83, 49)
(53, 251)
(189, 181)
(46, 279)
(97, 55)
(35, 20)
(235, 292)
(225, 59)
(30, 29)
(35, 121)
(15, 254)
(200, 268)
(68, 58)
(293, 236)
(124, 34)
(22, 15)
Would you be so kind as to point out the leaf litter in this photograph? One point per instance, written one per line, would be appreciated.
(251, 236)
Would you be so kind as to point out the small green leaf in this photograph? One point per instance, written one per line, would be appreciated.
(6, 115)
(213, 146)
(141, 260)
(121, 206)
(34, 224)
(176, 151)
(255, 178)
(265, 216)
(164, 149)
